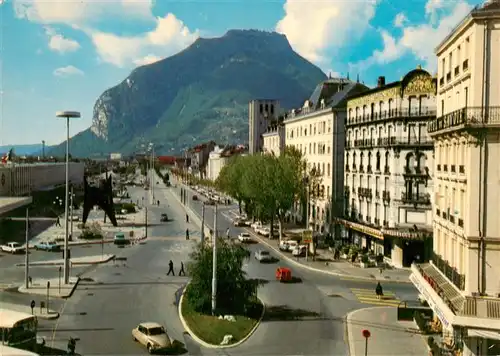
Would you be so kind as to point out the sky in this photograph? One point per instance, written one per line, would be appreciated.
(62, 54)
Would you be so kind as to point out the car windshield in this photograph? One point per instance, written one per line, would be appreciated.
(15, 244)
(246, 234)
(157, 330)
(264, 253)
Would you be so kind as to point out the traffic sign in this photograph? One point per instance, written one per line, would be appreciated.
(366, 333)
(307, 236)
(32, 305)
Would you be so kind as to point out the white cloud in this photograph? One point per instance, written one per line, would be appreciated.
(78, 13)
(59, 43)
(67, 71)
(169, 37)
(420, 40)
(150, 58)
(400, 20)
(312, 28)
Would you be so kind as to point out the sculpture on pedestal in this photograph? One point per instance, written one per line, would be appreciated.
(101, 196)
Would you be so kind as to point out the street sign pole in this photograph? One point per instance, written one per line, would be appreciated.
(60, 270)
(366, 334)
(27, 258)
(214, 263)
(203, 224)
(48, 288)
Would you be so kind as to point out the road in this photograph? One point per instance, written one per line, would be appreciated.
(113, 299)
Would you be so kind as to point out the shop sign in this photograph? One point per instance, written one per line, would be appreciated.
(429, 300)
(367, 230)
(306, 237)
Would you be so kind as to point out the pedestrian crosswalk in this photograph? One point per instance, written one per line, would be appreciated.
(368, 296)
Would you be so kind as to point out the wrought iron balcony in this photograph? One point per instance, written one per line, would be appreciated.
(467, 118)
(386, 223)
(361, 168)
(421, 112)
(414, 198)
(364, 143)
(347, 190)
(386, 170)
(450, 272)
(377, 221)
(347, 168)
(416, 171)
(369, 169)
(365, 192)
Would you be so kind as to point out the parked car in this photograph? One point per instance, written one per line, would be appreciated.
(299, 250)
(120, 239)
(283, 246)
(239, 222)
(292, 244)
(263, 256)
(164, 217)
(51, 246)
(153, 336)
(13, 247)
(244, 237)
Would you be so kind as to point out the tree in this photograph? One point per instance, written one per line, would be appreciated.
(234, 290)
(229, 179)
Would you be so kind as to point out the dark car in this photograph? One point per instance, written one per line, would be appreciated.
(164, 217)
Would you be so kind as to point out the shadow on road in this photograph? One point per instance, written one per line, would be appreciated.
(284, 313)
(46, 350)
(259, 281)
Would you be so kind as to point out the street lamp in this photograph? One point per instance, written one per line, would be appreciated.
(67, 115)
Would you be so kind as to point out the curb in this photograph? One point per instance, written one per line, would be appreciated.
(50, 316)
(211, 346)
(78, 279)
(48, 263)
(350, 276)
(348, 319)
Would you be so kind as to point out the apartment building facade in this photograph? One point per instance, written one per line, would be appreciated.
(461, 283)
(389, 168)
(260, 115)
(274, 139)
(317, 130)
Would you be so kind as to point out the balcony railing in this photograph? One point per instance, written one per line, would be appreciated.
(365, 192)
(347, 190)
(377, 194)
(377, 221)
(386, 170)
(450, 272)
(413, 198)
(453, 169)
(471, 117)
(402, 141)
(392, 114)
(361, 168)
(416, 171)
(369, 169)
(386, 223)
(386, 196)
(347, 168)
(461, 169)
(439, 167)
(445, 167)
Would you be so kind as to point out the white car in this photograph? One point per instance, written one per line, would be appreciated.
(283, 246)
(263, 256)
(299, 250)
(292, 244)
(244, 237)
(152, 335)
(12, 247)
(264, 231)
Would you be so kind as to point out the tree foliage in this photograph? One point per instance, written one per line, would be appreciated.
(234, 290)
(268, 185)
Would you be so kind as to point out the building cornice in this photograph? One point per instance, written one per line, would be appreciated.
(308, 116)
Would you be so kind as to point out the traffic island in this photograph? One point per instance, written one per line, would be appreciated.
(210, 331)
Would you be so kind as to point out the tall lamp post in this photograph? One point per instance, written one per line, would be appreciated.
(67, 115)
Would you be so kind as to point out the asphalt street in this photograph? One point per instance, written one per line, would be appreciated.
(113, 298)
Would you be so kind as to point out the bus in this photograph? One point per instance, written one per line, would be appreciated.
(12, 351)
(18, 329)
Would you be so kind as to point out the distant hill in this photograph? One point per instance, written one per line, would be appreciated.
(22, 150)
(199, 94)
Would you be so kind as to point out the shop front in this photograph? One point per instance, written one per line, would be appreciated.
(407, 247)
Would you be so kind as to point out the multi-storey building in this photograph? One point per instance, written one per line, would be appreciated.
(461, 283)
(317, 130)
(220, 156)
(274, 139)
(199, 158)
(389, 168)
(260, 115)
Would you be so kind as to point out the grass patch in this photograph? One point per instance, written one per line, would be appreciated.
(212, 330)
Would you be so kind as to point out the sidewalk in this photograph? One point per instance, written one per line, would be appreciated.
(325, 263)
(40, 313)
(39, 287)
(87, 260)
(389, 337)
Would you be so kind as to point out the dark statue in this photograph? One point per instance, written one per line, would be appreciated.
(101, 196)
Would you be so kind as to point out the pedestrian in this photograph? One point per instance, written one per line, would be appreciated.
(171, 268)
(379, 291)
(182, 269)
(228, 233)
(158, 203)
(58, 222)
(187, 218)
(187, 234)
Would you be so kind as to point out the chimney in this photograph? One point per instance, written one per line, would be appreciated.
(381, 82)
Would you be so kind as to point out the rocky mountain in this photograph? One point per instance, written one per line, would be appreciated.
(198, 94)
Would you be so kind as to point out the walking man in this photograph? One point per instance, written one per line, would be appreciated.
(228, 233)
(187, 234)
(378, 291)
(182, 269)
(58, 222)
(187, 218)
(171, 268)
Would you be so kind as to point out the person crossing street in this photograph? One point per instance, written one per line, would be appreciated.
(182, 269)
(171, 268)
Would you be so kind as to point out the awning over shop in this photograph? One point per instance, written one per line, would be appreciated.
(361, 228)
(10, 203)
(486, 334)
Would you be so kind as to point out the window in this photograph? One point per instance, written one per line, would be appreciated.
(328, 166)
(466, 96)
(378, 162)
(442, 107)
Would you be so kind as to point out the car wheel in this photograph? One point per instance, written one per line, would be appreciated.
(150, 348)
(135, 340)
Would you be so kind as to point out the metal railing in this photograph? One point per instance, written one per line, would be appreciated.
(390, 114)
(470, 117)
(450, 272)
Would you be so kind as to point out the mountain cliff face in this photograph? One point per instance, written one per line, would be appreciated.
(199, 94)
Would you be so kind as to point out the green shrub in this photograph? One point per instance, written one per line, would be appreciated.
(364, 259)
